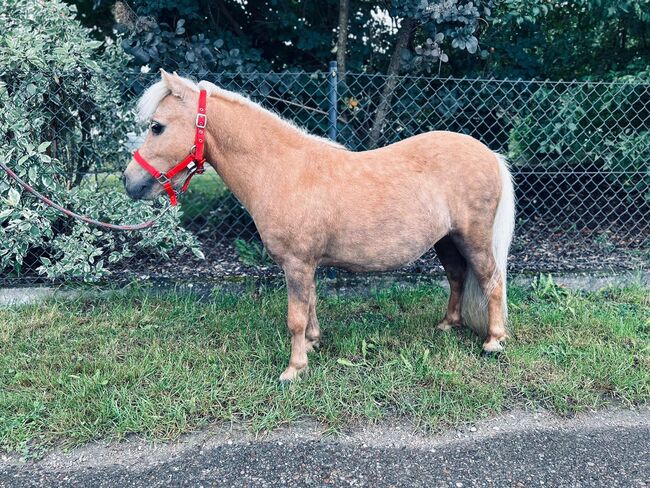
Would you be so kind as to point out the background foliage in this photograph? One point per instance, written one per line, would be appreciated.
(588, 127)
(531, 39)
(504, 38)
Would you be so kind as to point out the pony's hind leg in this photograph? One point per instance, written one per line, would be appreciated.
(312, 334)
(496, 331)
(483, 264)
(455, 267)
(300, 278)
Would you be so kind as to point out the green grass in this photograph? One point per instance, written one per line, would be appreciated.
(160, 366)
(203, 194)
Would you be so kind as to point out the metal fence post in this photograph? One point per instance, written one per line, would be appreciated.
(333, 78)
(332, 130)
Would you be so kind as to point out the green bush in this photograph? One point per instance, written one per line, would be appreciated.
(252, 253)
(588, 126)
(63, 117)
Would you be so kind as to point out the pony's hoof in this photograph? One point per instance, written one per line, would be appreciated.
(492, 346)
(445, 325)
(290, 374)
(312, 345)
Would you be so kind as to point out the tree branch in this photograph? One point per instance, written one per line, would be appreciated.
(403, 37)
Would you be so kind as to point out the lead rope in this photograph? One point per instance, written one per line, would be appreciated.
(70, 213)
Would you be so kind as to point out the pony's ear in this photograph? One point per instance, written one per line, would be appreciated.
(175, 83)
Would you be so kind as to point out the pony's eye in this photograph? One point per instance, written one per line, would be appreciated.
(156, 128)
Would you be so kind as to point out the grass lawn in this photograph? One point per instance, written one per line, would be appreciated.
(203, 194)
(163, 365)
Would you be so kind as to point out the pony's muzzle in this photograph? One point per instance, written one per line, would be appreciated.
(138, 188)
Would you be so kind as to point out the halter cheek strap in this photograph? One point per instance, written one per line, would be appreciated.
(193, 162)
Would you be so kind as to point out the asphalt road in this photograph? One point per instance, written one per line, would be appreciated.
(593, 452)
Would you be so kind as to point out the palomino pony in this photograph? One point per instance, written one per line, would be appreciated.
(316, 203)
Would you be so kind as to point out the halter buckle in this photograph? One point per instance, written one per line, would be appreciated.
(162, 179)
(201, 120)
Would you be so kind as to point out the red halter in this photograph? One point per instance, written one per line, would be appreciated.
(193, 162)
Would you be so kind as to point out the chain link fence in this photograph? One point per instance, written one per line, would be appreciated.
(579, 151)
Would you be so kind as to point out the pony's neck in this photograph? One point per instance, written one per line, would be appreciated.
(253, 149)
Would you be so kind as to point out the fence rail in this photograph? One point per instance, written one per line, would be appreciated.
(580, 156)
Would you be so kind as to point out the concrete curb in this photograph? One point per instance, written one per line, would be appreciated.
(359, 284)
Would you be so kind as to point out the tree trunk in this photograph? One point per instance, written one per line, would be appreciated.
(342, 42)
(403, 38)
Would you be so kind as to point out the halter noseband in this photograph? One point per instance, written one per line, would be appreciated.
(193, 162)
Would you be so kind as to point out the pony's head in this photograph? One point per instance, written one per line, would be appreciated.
(169, 107)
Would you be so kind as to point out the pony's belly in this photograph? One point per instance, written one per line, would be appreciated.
(378, 255)
(367, 267)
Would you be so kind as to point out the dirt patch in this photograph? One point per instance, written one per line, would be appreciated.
(539, 249)
(536, 248)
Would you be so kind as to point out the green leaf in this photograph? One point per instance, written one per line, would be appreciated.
(13, 198)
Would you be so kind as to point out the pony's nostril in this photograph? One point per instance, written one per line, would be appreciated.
(136, 190)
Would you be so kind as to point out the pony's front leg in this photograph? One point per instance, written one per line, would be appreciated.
(300, 278)
(313, 329)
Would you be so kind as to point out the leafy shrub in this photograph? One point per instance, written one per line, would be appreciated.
(160, 45)
(627, 156)
(588, 126)
(63, 117)
(252, 253)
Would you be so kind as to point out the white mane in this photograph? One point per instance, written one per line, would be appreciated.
(155, 94)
